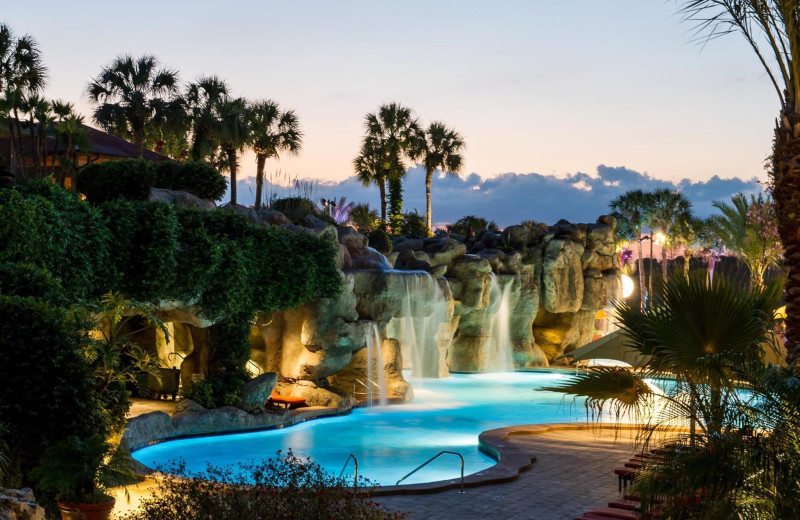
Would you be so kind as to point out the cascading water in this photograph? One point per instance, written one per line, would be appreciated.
(499, 352)
(423, 310)
(376, 372)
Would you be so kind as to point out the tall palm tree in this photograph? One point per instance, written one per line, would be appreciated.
(770, 28)
(394, 128)
(22, 76)
(201, 99)
(748, 229)
(632, 206)
(438, 147)
(370, 167)
(272, 131)
(134, 95)
(668, 210)
(233, 132)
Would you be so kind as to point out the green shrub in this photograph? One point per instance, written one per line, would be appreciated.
(295, 208)
(282, 488)
(130, 179)
(197, 177)
(379, 240)
(201, 392)
(414, 225)
(364, 219)
(28, 280)
(47, 391)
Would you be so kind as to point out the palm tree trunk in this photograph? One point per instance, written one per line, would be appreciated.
(428, 178)
(687, 254)
(650, 272)
(641, 267)
(382, 190)
(231, 153)
(261, 160)
(138, 140)
(664, 259)
(395, 204)
(786, 175)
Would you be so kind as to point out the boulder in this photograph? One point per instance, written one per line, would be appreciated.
(368, 258)
(316, 395)
(379, 240)
(180, 199)
(256, 392)
(351, 239)
(321, 229)
(562, 276)
(250, 214)
(19, 504)
(272, 217)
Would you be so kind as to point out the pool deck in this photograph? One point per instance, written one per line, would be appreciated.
(546, 472)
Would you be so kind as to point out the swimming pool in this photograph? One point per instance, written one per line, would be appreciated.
(390, 441)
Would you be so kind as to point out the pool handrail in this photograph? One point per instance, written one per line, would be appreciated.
(355, 468)
(434, 458)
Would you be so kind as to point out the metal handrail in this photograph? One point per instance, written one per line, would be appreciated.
(251, 362)
(434, 458)
(355, 468)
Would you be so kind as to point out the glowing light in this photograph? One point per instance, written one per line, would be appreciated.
(627, 286)
(660, 238)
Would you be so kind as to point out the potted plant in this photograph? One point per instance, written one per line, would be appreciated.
(80, 472)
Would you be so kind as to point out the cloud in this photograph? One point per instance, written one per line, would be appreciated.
(511, 198)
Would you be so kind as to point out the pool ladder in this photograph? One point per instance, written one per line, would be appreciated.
(431, 460)
(355, 468)
(368, 390)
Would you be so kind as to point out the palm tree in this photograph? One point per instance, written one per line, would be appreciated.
(370, 167)
(201, 98)
(394, 128)
(770, 29)
(233, 132)
(748, 228)
(667, 210)
(632, 206)
(134, 96)
(272, 131)
(22, 76)
(438, 147)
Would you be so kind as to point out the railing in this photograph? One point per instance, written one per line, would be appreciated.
(434, 458)
(258, 368)
(368, 389)
(355, 468)
(171, 357)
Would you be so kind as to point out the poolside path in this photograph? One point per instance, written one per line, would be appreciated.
(573, 473)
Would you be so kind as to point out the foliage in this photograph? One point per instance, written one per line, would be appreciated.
(196, 177)
(743, 414)
(28, 280)
(363, 218)
(285, 486)
(379, 240)
(338, 210)
(749, 229)
(414, 225)
(295, 208)
(81, 470)
(469, 226)
(47, 386)
(130, 179)
(371, 167)
(272, 131)
(201, 392)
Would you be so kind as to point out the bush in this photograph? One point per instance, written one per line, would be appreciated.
(364, 219)
(469, 226)
(379, 240)
(414, 225)
(130, 179)
(295, 208)
(28, 280)
(47, 392)
(285, 487)
(196, 177)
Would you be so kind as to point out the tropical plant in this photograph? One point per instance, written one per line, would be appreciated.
(201, 99)
(81, 471)
(770, 29)
(393, 129)
(370, 167)
(632, 207)
(135, 97)
(286, 486)
(414, 225)
(71, 135)
(130, 179)
(272, 131)
(689, 234)
(363, 218)
(233, 132)
(703, 342)
(667, 210)
(469, 226)
(338, 210)
(749, 229)
(438, 147)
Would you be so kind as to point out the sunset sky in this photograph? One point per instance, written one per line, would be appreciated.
(551, 88)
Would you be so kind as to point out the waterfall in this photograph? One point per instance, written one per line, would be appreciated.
(422, 312)
(498, 349)
(376, 371)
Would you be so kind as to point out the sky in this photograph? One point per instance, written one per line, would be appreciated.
(553, 91)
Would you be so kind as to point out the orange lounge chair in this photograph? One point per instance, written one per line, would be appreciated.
(288, 401)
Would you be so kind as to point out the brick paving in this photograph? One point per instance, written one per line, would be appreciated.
(573, 473)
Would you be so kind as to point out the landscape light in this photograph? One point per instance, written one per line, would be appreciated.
(627, 286)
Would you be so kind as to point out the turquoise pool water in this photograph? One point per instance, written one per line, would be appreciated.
(389, 441)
